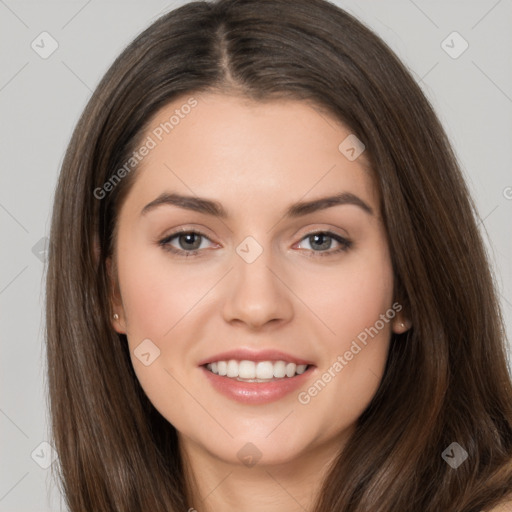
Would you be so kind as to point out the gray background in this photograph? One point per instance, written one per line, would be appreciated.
(41, 99)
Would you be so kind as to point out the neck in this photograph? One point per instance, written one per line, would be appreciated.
(215, 484)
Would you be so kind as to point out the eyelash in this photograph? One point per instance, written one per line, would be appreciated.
(345, 244)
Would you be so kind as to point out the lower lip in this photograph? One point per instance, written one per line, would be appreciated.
(256, 392)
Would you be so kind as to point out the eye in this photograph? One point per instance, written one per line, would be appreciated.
(189, 243)
(321, 241)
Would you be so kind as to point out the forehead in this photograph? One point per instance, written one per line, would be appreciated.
(237, 149)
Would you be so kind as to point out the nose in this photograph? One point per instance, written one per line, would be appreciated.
(257, 294)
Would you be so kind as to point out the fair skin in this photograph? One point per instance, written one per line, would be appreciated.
(255, 159)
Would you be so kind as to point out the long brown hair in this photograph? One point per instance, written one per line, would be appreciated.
(446, 379)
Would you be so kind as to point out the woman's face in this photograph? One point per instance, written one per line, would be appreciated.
(276, 276)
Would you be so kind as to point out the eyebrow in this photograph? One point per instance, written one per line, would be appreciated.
(214, 208)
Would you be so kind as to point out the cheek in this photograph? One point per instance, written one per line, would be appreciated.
(351, 297)
(359, 295)
(157, 293)
(159, 302)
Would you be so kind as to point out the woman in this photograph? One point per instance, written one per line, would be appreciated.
(266, 286)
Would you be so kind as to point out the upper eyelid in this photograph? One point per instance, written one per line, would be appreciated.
(201, 230)
(175, 234)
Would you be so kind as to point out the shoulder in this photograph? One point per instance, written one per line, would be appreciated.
(504, 506)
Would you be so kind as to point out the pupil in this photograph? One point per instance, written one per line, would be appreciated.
(189, 239)
(321, 236)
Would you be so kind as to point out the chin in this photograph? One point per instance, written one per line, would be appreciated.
(250, 451)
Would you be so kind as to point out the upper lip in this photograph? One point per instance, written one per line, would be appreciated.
(245, 354)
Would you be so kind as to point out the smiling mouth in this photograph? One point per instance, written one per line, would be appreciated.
(256, 371)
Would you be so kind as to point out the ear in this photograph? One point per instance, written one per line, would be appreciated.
(117, 319)
(400, 323)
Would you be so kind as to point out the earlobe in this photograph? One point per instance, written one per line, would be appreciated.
(117, 314)
(118, 324)
(401, 324)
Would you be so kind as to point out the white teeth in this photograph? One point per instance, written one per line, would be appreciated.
(290, 369)
(246, 370)
(222, 367)
(264, 370)
(251, 370)
(232, 368)
(279, 369)
(301, 368)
